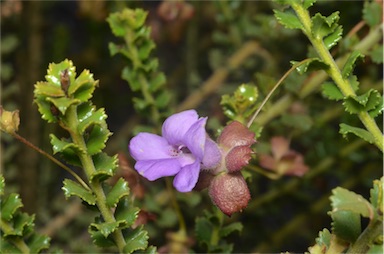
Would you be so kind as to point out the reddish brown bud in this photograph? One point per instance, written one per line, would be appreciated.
(229, 192)
(238, 158)
(236, 134)
(64, 81)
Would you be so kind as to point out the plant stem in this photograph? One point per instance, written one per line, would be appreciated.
(89, 168)
(17, 241)
(53, 159)
(335, 73)
(183, 228)
(372, 231)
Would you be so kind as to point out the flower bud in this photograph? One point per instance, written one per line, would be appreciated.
(9, 120)
(236, 134)
(238, 158)
(229, 192)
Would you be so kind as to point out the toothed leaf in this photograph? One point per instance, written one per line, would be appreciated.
(10, 205)
(346, 225)
(136, 239)
(72, 188)
(361, 133)
(350, 64)
(288, 19)
(105, 166)
(119, 190)
(331, 91)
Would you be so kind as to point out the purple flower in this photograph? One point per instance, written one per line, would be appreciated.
(182, 151)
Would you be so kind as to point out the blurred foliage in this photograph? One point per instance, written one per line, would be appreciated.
(284, 214)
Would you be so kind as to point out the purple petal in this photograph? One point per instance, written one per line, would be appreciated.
(154, 169)
(212, 154)
(187, 178)
(195, 138)
(148, 146)
(175, 126)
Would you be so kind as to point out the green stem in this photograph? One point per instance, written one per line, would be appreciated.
(89, 168)
(215, 236)
(335, 73)
(362, 244)
(183, 228)
(17, 241)
(53, 159)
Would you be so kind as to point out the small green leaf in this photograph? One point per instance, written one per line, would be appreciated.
(163, 99)
(55, 70)
(324, 239)
(99, 239)
(97, 138)
(137, 239)
(127, 212)
(345, 200)
(332, 39)
(331, 91)
(350, 64)
(376, 54)
(308, 3)
(60, 146)
(63, 103)
(72, 188)
(107, 228)
(361, 133)
(146, 48)
(46, 89)
(92, 118)
(372, 13)
(313, 65)
(236, 226)
(157, 82)
(288, 19)
(365, 102)
(10, 205)
(119, 190)
(376, 197)
(346, 225)
(2, 185)
(21, 222)
(83, 87)
(38, 243)
(44, 108)
(131, 77)
(323, 26)
(105, 166)
(203, 230)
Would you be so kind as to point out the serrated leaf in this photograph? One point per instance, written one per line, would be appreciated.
(84, 82)
(308, 3)
(38, 242)
(162, 100)
(157, 82)
(55, 70)
(372, 13)
(346, 225)
(44, 108)
(10, 205)
(345, 200)
(100, 240)
(140, 104)
(288, 19)
(2, 185)
(46, 89)
(203, 230)
(331, 91)
(376, 195)
(236, 226)
(107, 228)
(97, 138)
(72, 188)
(104, 165)
(131, 77)
(146, 48)
(21, 221)
(376, 54)
(365, 102)
(377, 111)
(332, 39)
(313, 65)
(324, 239)
(119, 190)
(63, 103)
(8, 248)
(361, 133)
(60, 146)
(149, 250)
(97, 117)
(137, 239)
(350, 64)
(127, 212)
(323, 26)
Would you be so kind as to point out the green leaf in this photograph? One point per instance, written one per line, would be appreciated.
(308, 3)
(10, 205)
(107, 228)
(346, 225)
(55, 70)
(288, 19)
(361, 133)
(313, 65)
(46, 89)
(331, 91)
(350, 64)
(104, 165)
(83, 87)
(146, 48)
(365, 102)
(375, 249)
(157, 82)
(72, 188)
(45, 109)
(203, 230)
(323, 26)
(324, 239)
(376, 54)
(332, 39)
(60, 146)
(345, 200)
(137, 239)
(376, 197)
(99, 239)
(127, 212)
(38, 242)
(372, 13)
(21, 222)
(163, 99)
(236, 226)
(119, 190)
(2, 185)
(92, 118)
(97, 138)
(63, 103)
(131, 77)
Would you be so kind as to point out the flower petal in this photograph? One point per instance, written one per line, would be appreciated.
(212, 154)
(187, 178)
(195, 138)
(154, 169)
(148, 146)
(175, 126)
